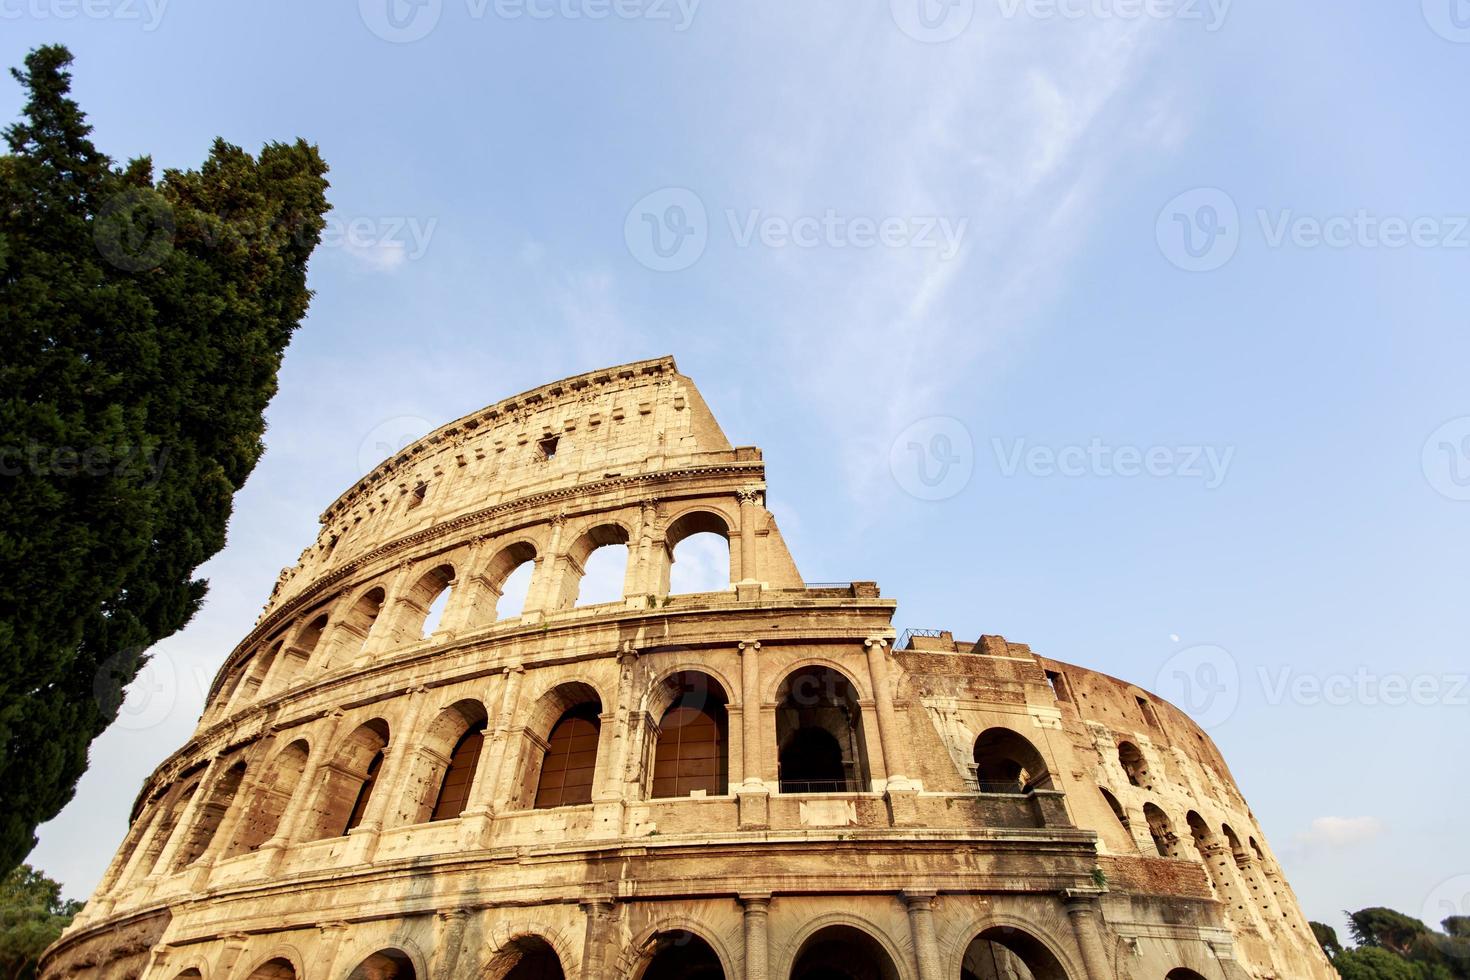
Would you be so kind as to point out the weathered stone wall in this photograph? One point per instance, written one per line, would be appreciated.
(967, 834)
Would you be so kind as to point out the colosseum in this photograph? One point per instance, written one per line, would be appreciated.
(398, 777)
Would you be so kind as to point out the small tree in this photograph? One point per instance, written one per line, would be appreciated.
(1326, 937)
(1385, 928)
(32, 915)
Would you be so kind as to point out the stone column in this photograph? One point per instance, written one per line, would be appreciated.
(392, 776)
(889, 737)
(245, 795)
(757, 942)
(333, 937)
(1082, 908)
(750, 713)
(921, 928)
(162, 868)
(472, 592)
(749, 498)
(447, 945)
(594, 946)
(486, 791)
(545, 590)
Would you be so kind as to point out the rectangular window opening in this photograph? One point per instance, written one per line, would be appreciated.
(548, 447)
(1058, 682)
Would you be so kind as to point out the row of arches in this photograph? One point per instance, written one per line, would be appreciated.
(595, 568)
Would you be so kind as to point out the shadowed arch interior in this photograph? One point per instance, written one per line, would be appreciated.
(272, 795)
(842, 952)
(279, 968)
(386, 964)
(692, 753)
(526, 958)
(348, 783)
(681, 955)
(1134, 765)
(1183, 973)
(1007, 762)
(210, 815)
(1161, 829)
(1006, 953)
(444, 768)
(819, 734)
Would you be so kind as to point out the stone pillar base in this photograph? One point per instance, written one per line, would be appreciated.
(903, 807)
(755, 808)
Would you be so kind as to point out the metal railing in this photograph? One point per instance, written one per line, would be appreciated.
(903, 638)
(814, 786)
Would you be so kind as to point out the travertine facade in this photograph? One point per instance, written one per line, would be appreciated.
(758, 782)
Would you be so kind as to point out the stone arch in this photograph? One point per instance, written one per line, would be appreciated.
(446, 758)
(283, 962)
(1161, 829)
(679, 955)
(691, 736)
(430, 589)
(1182, 973)
(820, 742)
(210, 815)
(572, 698)
(389, 963)
(773, 684)
(844, 927)
(524, 953)
(167, 826)
(1007, 761)
(601, 533)
(639, 953)
(1116, 807)
(1000, 947)
(301, 647)
(272, 797)
(254, 680)
(349, 780)
(354, 626)
(653, 698)
(508, 560)
(191, 973)
(694, 520)
(1039, 946)
(1135, 766)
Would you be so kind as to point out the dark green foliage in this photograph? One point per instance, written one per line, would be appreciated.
(1326, 937)
(1385, 927)
(1457, 926)
(1392, 946)
(32, 915)
(144, 322)
(1377, 963)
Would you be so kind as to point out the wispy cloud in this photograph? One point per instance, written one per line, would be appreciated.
(1339, 833)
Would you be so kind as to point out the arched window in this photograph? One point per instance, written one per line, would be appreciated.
(295, 657)
(1183, 974)
(166, 827)
(256, 677)
(1006, 762)
(279, 968)
(571, 759)
(349, 779)
(596, 568)
(697, 554)
(1134, 766)
(843, 952)
(354, 628)
(454, 791)
(1161, 830)
(271, 798)
(387, 964)
(819, 734)
(681, 955)
(526, 958)
(424, 603)
(1004, 951)
(1116, 807)
(693, 738)
(211, 813)
(509, 576)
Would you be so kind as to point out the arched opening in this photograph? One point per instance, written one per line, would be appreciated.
(425, 603)
(843, 953)
(443, 770)
(1134, 766)
(819, 734)
(1199, 831)
(509, 576)
(692, 752)
(258, 675)
(1182, 973)
(387, 964)
(595, 568)
(190, 974)
(570, 763)
(233, 683)
(1161, 829)
(168, 824)
(348, 782)
(210, 815)
(697, 554)
(526, 958)
(1116, 807)
(1006, 762)
(681, 955)
(1004, 953)
(279, 968)
(272, 796)
(298, 653)
(357, 625)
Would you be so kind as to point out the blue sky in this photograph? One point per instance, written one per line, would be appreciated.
(1136, 332)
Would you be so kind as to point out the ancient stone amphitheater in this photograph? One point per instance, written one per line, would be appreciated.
(398, 776)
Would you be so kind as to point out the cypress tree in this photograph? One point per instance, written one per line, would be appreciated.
(144, 322)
